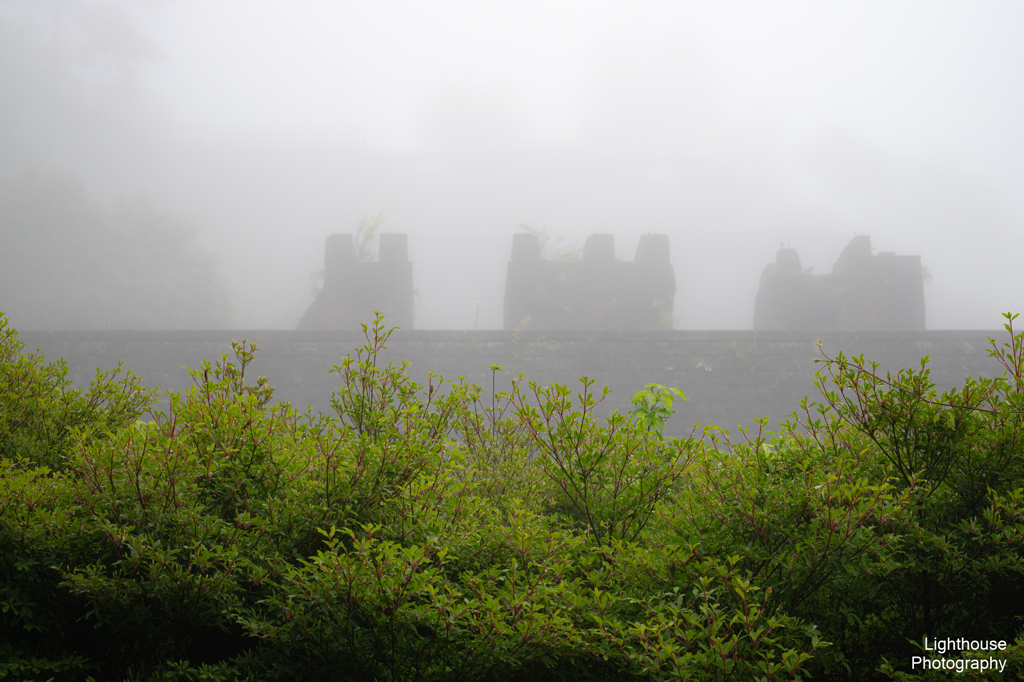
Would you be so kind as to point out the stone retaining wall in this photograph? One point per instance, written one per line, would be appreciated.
(730, 377)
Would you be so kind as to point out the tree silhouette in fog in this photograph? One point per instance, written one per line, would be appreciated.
(68, 262)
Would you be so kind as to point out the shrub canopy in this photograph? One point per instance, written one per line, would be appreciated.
(438, 534)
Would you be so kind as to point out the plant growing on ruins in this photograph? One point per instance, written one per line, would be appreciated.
(367, 234)
(365, 243)
(551, 247)
(316, 283)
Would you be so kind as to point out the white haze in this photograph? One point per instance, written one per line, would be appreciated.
(733, 127)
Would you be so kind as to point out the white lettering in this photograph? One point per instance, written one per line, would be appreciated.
(947, 659)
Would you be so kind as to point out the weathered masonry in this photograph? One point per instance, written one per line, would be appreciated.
(730, 377)
(353, 289)
(595, 293)
(865, 292)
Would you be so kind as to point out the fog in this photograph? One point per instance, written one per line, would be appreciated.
(733, 127)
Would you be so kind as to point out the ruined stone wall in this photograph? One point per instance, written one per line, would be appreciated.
(353, 289)
(595, 293)
(865, 292)
(730, 377)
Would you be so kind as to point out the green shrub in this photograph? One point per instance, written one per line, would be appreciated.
(954, 463)
(425, 534)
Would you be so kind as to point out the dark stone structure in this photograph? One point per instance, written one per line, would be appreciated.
(597, 292)
(865, 292)
(353, 289)
(730, 377)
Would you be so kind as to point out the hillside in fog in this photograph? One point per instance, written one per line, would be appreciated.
(68, 262)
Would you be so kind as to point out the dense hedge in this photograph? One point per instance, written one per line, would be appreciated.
(438, 534)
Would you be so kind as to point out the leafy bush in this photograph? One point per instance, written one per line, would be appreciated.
(423, 533)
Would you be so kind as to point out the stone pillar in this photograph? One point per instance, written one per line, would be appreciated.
(353, 289)
(394, 293)
(654, 284)
(339, 266)
(523, 280)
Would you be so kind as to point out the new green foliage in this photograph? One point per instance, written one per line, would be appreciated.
(652, 405)
(431, 533)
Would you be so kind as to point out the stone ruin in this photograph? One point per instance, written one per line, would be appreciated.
(865, 292)
(353, 289)
(597, 292)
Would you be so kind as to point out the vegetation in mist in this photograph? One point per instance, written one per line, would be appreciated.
(438, 533)
(70, 263)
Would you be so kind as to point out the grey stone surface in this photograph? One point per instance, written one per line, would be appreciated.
(354, 289)
(595, 293)
(865, 291)
(730, 378)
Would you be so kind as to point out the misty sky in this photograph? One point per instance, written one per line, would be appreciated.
(734, 127)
